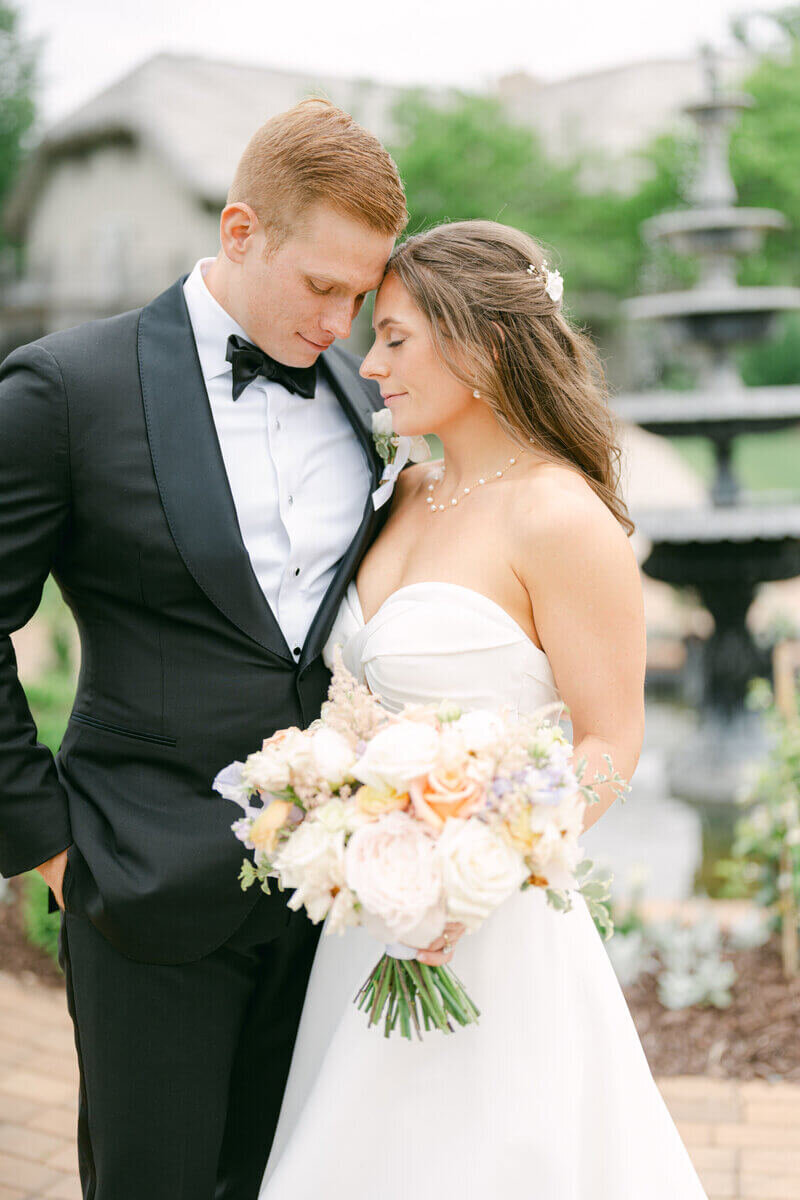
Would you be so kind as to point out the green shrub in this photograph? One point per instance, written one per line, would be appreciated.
(41, 926)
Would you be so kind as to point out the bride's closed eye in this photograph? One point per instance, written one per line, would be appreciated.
(392, 345)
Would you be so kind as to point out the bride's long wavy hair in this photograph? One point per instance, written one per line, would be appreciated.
(496, 329)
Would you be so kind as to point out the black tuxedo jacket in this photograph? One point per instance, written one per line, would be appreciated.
(111, 478)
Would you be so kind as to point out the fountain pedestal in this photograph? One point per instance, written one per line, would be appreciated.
(727, 548)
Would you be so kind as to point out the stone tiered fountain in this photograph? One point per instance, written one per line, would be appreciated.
(727, 547)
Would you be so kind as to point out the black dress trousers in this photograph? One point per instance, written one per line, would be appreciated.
(183, 1067)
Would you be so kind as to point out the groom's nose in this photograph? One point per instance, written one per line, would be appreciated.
(337, 321)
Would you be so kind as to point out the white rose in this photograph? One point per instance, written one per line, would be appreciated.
(397, 754)
(311, 861)
(479, 870)
(392, 867)
(296, 749)
(270, 769)
(480, 729)
(382, 421)
(339, 815)
(266, 771)
(333, 755)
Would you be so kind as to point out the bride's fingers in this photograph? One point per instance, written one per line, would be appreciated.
(435, 958)
(436, 954)
(454, 930)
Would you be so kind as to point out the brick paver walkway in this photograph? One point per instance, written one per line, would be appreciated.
(744, 1138)
(38, 1090)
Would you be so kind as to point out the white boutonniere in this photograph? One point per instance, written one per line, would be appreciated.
(396, 450)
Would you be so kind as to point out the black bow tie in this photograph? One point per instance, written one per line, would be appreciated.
(248, 362)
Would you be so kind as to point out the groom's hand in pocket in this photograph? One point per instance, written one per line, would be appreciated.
(52, 872)
(433, 955)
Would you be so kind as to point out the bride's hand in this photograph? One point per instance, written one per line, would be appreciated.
(433, 955)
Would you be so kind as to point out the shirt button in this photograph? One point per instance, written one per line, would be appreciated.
(291, 499)
(296, 650)
(277, 424)
(297, 570)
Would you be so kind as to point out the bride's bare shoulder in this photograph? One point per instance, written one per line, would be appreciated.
(553, 503)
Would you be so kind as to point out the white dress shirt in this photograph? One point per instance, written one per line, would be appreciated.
(297, 472)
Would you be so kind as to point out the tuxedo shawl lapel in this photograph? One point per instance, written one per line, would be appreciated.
(358, 400)
(190, 471)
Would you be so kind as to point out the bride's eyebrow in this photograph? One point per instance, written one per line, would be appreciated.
(386, 321)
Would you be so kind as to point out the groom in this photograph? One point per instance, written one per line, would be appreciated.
(197, 476)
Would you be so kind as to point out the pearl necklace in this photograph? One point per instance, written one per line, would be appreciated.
(434, 507)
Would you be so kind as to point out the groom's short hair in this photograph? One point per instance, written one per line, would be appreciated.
(317, 152)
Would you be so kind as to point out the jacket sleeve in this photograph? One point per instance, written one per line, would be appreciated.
(34, 514)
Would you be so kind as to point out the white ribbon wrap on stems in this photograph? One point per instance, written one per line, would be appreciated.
(390, 473)
(399, 950)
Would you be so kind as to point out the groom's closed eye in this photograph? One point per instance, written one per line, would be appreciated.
(321, 290)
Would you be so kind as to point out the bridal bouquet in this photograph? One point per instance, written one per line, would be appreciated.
(402, 822)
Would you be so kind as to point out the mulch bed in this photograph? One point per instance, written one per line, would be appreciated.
(17, 955)
(756, 1037)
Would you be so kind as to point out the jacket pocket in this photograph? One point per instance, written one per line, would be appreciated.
(95, 723)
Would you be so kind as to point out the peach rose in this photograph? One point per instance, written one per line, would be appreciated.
(445, 792)
(264, 830)
(374, 803)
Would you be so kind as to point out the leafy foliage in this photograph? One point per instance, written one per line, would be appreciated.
(465, 158)
(50, 699)
(17, 107)
(765, 856)
(41, 926)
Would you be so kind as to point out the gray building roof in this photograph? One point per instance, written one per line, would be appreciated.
(197, 114)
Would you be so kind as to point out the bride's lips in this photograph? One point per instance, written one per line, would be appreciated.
(393, 396)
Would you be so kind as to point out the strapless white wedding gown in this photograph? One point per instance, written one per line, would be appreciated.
(550, 1096)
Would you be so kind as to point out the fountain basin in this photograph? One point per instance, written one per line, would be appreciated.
(730, 530)
(723, 229)
(732, 412)
(717, 316)
(724, 553)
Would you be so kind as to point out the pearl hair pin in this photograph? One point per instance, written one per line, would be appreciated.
(434, 507)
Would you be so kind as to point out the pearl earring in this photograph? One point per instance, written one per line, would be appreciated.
(476, 394)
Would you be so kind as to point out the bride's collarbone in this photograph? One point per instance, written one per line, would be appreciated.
(458, 547)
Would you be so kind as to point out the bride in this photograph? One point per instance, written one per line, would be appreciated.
(502, 576)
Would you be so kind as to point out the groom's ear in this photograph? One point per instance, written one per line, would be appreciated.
(238, 226)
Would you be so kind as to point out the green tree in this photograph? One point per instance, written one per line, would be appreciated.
(765, 152)
(17, 108)
(465, 159)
